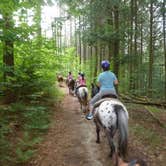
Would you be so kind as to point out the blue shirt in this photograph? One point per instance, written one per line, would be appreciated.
(106, 80)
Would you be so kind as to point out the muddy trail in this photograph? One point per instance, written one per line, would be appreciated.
(71, 141)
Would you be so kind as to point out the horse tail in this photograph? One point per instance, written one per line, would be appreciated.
(122, 125)
(85, 94)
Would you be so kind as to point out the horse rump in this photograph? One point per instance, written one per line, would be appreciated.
(82, 94)
(113, 117)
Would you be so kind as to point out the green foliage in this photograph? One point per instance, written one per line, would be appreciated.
(5, 145)
(25, 147)
(153, 109)
(37, 118)
(29, 120)
(23, 156)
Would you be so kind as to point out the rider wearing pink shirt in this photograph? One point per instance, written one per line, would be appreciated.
(70, 77)
(82, 80)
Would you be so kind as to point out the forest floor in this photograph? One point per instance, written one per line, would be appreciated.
(71, 138)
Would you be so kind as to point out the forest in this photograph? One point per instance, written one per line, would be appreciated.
(131, 34)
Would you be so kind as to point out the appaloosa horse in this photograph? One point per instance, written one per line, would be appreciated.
(111, 115)
(82, 94)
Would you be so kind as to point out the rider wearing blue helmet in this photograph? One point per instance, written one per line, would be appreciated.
(106, 81)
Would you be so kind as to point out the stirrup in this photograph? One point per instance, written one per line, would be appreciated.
(89, 117)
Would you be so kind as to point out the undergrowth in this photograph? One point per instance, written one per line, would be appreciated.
(22, 125)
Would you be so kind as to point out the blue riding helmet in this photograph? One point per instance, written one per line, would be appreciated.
(105, 64)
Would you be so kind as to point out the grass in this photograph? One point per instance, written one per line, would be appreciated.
(153, 109)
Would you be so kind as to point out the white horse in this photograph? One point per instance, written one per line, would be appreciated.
(82, 94)
(112, 115)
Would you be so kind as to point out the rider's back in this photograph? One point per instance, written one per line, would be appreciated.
(106, 80)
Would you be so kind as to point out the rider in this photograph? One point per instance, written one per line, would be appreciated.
(106, 81)
(81, 81)
(69, 77)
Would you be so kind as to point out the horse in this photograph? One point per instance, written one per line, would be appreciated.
(60, 79)
(71, 85)
(82, 95)
(111, 115)
(95, 89)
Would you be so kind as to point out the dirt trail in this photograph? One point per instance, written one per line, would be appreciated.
(71, 140)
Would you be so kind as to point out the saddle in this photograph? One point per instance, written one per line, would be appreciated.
(110, 96)
(81, 86)
(105, 99)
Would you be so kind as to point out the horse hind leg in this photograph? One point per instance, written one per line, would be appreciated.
(97, 131)
(110, 134)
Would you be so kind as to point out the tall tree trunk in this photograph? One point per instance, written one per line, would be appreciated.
(116, 42)
(151, 50)
(164, 42)
(96, 63)
(140, 79)
(38, 22)
(136, 62)
(79, 39)
(71, 30)
(8, 55)
(131, 48)
(76, 40)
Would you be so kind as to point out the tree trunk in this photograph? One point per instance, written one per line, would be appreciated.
(164, 37)
(96, 63)
(131, 48)
(136, 63)
(116, 42)
(8, 55)
(150, 50)
(38, 23)
(79, 39)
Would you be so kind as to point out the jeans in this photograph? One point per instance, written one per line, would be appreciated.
(99, 95)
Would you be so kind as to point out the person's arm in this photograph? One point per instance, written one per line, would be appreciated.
(115, 79)
(98, 81)
(116, 82)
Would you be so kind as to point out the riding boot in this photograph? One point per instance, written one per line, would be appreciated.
(90, 114)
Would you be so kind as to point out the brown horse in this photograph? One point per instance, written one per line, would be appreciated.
(60, 79)
(71, 85)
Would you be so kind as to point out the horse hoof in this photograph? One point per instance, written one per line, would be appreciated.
(98, 142)
(110, 155)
